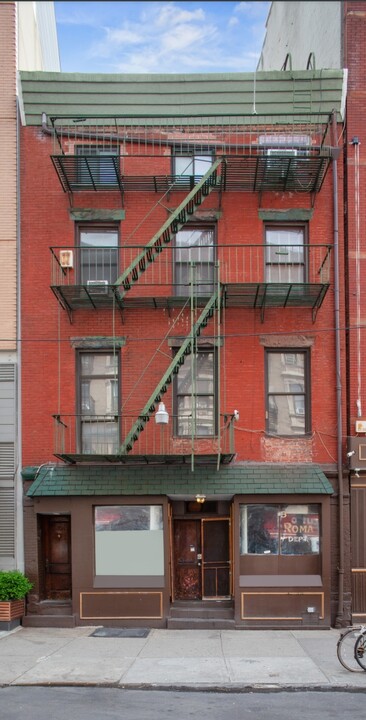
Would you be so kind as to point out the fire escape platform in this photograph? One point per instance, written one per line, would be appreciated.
(251, 172)
(147, 459)
(252, 295)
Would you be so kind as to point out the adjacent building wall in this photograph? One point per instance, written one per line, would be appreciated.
(37, 37)
(301, 28)
(28, 41)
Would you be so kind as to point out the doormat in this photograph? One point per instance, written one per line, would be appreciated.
(114, 632)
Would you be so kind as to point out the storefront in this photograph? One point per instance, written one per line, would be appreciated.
(120, 558)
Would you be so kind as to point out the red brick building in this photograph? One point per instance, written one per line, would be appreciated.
(183, 348)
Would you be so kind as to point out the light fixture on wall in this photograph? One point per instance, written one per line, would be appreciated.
(161, 415)
(200, 498)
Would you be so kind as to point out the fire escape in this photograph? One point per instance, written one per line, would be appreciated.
(239, 279)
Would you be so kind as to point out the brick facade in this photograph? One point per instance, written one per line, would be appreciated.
(145, 336)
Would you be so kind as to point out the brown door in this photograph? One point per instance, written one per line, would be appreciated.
(56, 552)
(216, 558)
(202, 559)
(358, 538)
(187, 559)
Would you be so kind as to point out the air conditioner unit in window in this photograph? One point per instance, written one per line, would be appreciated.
(66, 258)
(300, 411)
(282, 151)
(98, 287)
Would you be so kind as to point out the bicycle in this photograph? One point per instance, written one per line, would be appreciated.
(360, 649)
(351, 648)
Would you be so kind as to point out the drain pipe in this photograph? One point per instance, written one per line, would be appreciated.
(340, 611)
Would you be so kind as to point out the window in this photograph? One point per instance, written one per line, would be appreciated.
(129, 540)
(98, 166)
(279, 529)
(195, 390)
(194, 245)
(98, 398)
(189, 165)
(288, 397)
(98, 266)
(285, 254)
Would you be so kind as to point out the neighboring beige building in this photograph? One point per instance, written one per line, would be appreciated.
(28, 41)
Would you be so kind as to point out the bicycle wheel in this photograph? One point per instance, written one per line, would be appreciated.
(346, 649)
(360, 650)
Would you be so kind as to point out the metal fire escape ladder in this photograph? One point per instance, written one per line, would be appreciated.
(173, 224)
(178, 360)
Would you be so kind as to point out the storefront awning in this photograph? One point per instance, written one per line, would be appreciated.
(241, 479)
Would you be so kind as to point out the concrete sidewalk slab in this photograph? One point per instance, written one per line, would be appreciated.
(222, 660)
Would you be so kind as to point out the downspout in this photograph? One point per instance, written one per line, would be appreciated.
(340, 611)
(19, 537)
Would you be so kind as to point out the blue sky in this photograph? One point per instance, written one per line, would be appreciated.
(160, 37)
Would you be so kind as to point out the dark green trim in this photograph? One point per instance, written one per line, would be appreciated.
(96, 214)
(293, 215)
(261, 479)
(29, 473)
(218, 96)
(97, 343)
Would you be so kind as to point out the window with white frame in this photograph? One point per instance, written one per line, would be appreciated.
(194, 395)
(194, 260)
(98, 249)
(285, 254)
(288, 392)
(189, 164)
(98, 394)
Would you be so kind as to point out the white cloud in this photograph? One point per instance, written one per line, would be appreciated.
(123, 36)
(164, 37)
(251, 9)
(171, 14)
(184, 36)
(161, 32)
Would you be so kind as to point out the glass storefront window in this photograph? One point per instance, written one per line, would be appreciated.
(129, 540)
(279, 529)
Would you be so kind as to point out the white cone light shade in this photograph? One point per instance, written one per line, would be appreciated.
(161, 416)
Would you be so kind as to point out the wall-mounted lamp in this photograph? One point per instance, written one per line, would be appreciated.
(161, 415)
(357, 470)
(200, 499)
(351, 452)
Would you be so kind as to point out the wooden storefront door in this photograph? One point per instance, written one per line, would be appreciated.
(187, 559)
(216, 558)
(56, 556)
(201, 559)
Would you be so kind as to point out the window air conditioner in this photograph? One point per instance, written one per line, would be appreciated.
(98, 287)
(66, 258)
(282, 151)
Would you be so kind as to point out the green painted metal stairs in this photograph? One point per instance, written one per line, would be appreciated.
(173, 224)
(178, 360)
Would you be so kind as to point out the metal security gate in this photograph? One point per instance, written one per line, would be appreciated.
(358, 542)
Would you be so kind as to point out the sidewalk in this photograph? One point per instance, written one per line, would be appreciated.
(222, 660)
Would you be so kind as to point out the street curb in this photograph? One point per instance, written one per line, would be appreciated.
(223, 689)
